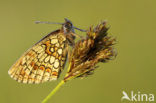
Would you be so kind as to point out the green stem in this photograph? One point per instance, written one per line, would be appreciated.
(56, 88)
(53, 92)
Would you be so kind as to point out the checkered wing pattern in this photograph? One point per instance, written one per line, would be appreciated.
(43, 62)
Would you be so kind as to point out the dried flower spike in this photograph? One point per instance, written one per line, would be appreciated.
(95, 48)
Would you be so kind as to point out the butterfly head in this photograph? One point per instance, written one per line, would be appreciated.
(68, 30)
(68, 26)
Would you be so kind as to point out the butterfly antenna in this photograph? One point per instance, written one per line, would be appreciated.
(46, 22)
(79, 29)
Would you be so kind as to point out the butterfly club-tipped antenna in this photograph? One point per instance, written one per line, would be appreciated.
(67, 26)
(47, 22)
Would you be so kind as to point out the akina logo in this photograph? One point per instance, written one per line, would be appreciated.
(137, 96)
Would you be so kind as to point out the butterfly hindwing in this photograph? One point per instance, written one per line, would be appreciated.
(42, 62)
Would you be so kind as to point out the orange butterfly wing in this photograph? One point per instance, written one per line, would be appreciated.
(42, 62)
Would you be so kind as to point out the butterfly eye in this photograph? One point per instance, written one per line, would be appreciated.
(68, 25)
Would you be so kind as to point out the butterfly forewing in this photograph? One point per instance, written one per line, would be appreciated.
(43, 62)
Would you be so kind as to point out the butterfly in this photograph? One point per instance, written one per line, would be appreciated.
(46, 59)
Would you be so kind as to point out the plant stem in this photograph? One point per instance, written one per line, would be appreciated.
(53, 92)
(56, 88)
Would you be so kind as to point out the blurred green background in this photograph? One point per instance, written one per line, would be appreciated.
(132, 22)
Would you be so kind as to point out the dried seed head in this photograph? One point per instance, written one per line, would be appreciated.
(96, 47)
